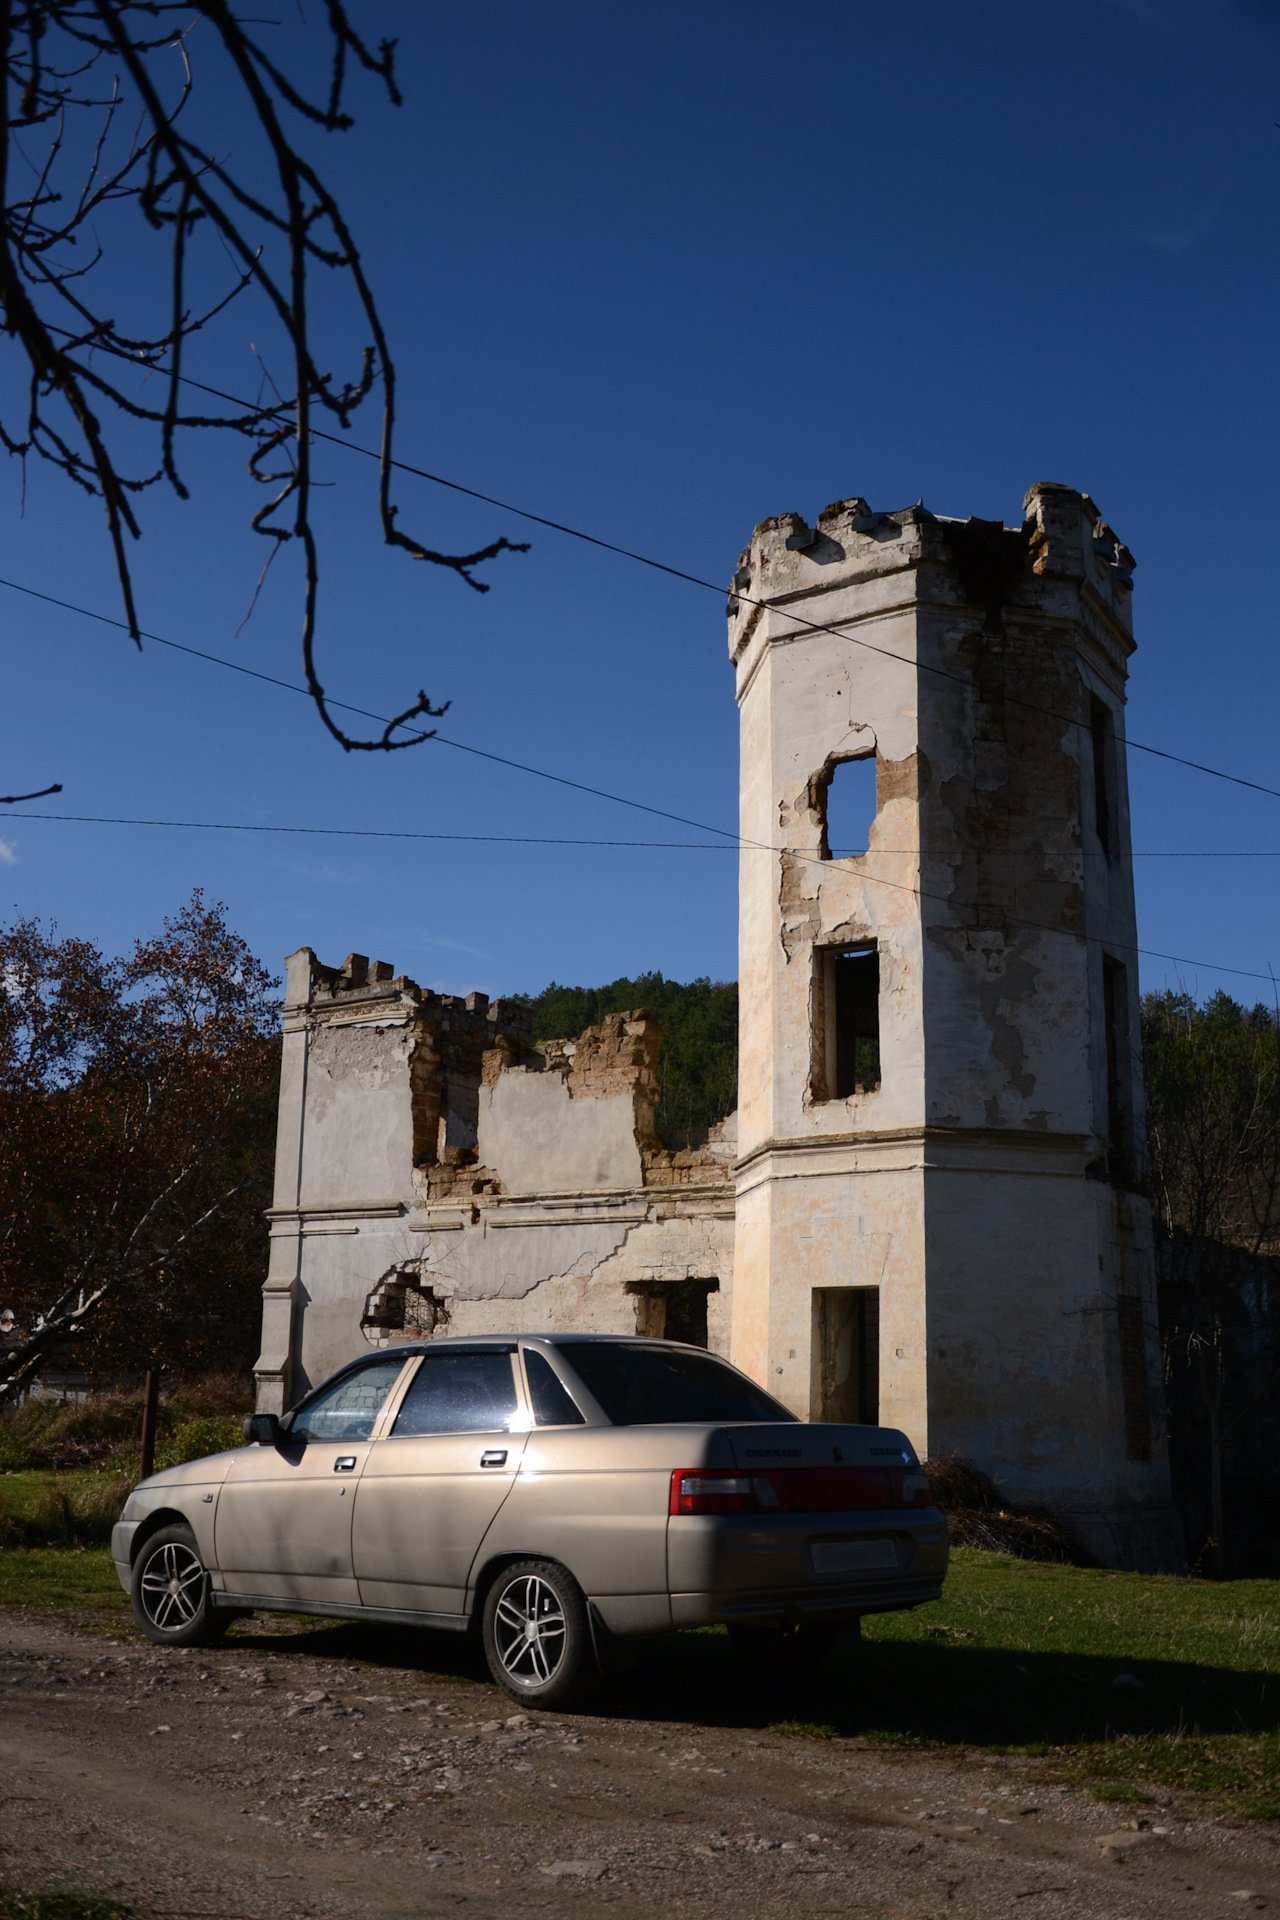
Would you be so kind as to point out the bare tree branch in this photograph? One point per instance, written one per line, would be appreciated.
(73, 69)
(16, 799)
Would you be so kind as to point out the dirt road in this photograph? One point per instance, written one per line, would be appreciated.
(350, 1772)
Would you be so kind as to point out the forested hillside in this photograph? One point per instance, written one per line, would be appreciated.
(699, 1060)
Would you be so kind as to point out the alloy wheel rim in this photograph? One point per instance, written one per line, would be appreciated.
(530, 1631)
(172, 1587)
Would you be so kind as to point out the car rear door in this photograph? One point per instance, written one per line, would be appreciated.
(432, 1485)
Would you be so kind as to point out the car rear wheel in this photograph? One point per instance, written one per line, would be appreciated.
(171, 1599)
(537, 1635)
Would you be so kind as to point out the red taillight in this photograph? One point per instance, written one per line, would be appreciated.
(711, 1490)
(910, 1487)
(797, 1489)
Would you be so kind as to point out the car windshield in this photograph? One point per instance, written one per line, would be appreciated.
(640, 1385)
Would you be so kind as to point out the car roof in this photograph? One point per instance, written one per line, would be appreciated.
(503, 1342)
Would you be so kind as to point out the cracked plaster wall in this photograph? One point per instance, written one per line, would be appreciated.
(423, 1139)
(977, 1187)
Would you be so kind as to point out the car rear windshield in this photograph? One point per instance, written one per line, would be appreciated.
(642, 1386)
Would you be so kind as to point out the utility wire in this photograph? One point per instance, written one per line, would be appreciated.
(561, 840)
(619, 799)
(693, 579)
(760, 846)
(374, 833)
(291, 686)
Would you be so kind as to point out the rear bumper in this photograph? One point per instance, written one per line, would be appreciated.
(800, 1606)
(815, 1566)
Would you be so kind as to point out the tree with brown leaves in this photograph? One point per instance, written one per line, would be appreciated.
(137, 1111)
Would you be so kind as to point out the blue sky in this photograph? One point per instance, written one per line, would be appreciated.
(660, 272)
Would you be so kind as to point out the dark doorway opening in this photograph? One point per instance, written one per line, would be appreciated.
(846, 1355)
(673, 1309)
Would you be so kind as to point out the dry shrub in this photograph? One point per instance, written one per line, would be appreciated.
(106, 1428)
(75, 1510)
(979, 1515)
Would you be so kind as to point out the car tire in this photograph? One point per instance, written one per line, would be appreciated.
(171, 1599)
(537, 1635)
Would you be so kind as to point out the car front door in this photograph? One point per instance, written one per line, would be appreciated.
(431, 1487)
(283, 1523)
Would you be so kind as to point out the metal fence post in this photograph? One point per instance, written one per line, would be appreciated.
(150, 1401)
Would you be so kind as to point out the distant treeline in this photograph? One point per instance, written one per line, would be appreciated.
(698, 1065)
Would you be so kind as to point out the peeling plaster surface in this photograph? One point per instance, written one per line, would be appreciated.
(543, 1140)
(356, 1077)
(425, 1146)
(988, 1189)
(979, 1187)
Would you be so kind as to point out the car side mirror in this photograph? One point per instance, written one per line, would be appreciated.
(263, 1428)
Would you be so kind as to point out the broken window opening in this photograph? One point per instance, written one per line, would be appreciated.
(401, 1307)
(844, 794)
(1102, 730)
(1115, 1000)
(846, 1355)
(848, 1007)
(673, 1309)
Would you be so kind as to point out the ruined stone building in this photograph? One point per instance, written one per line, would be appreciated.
(927, 1210)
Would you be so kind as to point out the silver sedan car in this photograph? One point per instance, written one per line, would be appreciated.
(560, 1493)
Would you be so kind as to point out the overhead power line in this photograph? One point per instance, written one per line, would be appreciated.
(696, 580)
(291, 686)
(375, 833)
(565, 840)
(872, 879)
(618, 799)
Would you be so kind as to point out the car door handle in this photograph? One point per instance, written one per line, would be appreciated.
(345, 1463)
(494, 1457)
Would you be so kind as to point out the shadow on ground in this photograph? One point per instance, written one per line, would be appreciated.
(924, 1691)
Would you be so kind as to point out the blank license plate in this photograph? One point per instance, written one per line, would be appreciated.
(853, 1556)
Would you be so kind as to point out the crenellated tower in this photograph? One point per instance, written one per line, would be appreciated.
(940, 1219)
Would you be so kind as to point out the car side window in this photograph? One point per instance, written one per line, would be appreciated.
(348, 1409)
(460, 1393)
(552, 1403)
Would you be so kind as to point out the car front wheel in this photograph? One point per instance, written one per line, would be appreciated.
(537, 1636)
(171, 1599)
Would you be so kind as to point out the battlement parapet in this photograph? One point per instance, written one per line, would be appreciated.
(1062, 541)
(360, 989)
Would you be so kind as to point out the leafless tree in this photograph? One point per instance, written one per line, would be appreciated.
(99, 133)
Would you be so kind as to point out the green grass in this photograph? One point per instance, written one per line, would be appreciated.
(1018, 1657)
(43, 1507)
(67, 1903)
(80, 1577)
(1023, 1655)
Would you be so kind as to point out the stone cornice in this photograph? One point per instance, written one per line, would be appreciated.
(1019, 1139)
